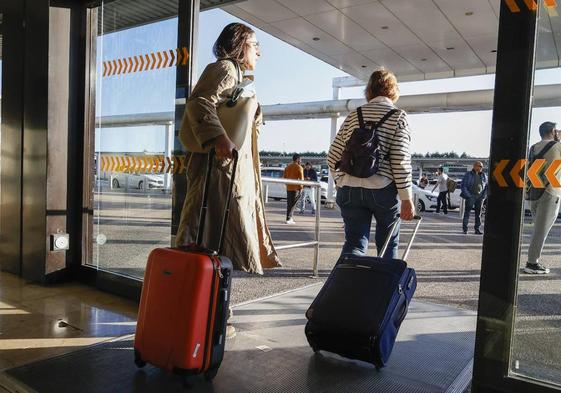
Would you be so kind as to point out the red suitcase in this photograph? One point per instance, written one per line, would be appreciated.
(185, 303)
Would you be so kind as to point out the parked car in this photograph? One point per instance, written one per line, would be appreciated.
(277, 191)
(426, 199)
(134, 180)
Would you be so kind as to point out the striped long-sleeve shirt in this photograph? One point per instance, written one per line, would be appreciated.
(395, 138)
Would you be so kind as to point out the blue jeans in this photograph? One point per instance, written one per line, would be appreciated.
(358, 206)
(472, 204)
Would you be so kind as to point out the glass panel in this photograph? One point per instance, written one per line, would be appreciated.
(134, 111)
(536, 347)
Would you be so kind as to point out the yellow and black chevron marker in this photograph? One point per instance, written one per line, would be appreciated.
(145, 62)
(532, 5)
(143, 164)
(536, 173)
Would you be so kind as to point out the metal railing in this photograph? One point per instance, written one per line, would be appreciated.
(317, 185)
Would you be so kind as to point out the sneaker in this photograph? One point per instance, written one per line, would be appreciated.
(301, 212)
(230, 331)
(465, 231)
(536, 268)
(291, 221)
(478, 232)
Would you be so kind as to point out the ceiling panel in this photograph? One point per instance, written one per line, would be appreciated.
(496, 4)
(244, 15)
(417, 39)
(423, 58)
(349, 3)
(307, 7)
(389, 59)
(309, 34)
(470, 18)
(345, 30)
(267, 10)
(485, 47)
(382, 24)
(459, 55)
(423, 18)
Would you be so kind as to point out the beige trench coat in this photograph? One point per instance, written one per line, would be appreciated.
(247, 240)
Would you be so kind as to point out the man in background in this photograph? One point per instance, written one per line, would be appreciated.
(474, 190)
(310, 174)
(442, 184)
(544, 207)
(293, 192)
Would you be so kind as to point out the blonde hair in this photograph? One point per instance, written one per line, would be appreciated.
(382, 82)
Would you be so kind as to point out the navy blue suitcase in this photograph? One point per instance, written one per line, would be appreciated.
(359, 310)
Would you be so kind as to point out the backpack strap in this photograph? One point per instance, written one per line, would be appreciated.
(383, 119)
(542, 153)
(360, 118)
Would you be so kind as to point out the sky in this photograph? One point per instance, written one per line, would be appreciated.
(284, 74)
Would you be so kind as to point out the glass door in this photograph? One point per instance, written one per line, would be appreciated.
(133, 57)
(519, 319)
(536, 342)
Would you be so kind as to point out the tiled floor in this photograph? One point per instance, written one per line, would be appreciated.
(38, 322)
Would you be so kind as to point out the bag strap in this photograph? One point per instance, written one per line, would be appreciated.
(376, 125)
(204, 207)
(360, 117)
(383, 119)
(542, 153)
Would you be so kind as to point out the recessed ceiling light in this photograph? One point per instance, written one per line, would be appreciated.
(450, 48)
(469, 13)
(315, 38)
(385, 27)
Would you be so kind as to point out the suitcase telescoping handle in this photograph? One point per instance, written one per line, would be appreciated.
(392, 230)
(204, 207)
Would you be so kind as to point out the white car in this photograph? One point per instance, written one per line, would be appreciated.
(139, 181)
(277, 191)
(426, 199)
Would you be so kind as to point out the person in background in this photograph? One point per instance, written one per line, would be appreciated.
(310, 174)
(388, 192)
(546, 208)
(293, 171)
(442, 184)
(424, 182)
(474, 191)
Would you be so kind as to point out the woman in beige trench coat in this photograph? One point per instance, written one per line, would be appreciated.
(247, 240)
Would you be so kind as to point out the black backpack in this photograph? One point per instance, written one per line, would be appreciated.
(362, 155)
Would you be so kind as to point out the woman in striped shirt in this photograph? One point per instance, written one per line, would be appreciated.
(381, 194)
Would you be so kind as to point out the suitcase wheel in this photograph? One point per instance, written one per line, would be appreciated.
(211, 373)
(138, 360)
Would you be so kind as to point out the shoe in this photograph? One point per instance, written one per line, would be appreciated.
(291, 221)
(301, 212)
(465, 231)
(230, 331)
(313, 212)
(478, 232)
(536, 268)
